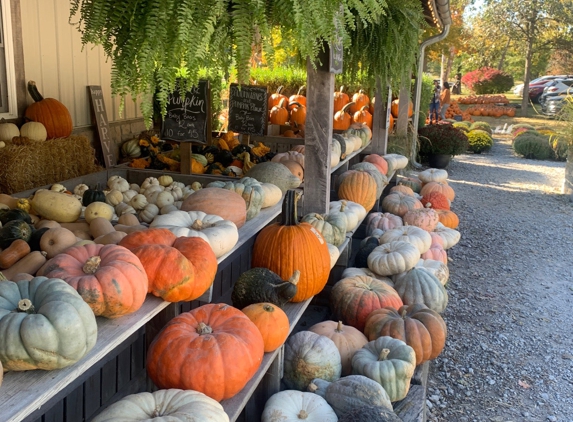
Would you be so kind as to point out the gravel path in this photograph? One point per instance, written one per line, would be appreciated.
(509, 354)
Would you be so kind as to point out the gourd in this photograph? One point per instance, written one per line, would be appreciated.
(128, 220)
(30, 264)
(393, 258)
(190, 344)
(307, 356)
(411, 234)
(163, 199)
(149, 181)
(250, 190)
(275, 173)
(292, 406)
(57, 240)
(262, 285)
(138, 202)
(56, 206)
(351, 392)
(352, 299)
(389, 362)
(148, 213)
(370, 413)
(34, 131)
(13, 230)
(433, 175)
(7, 215)
(178, 269)
(118, 183)
(274, 246)
(217, 201)
(98, 209)
(272, 196)
(421, 287)
(114, 198)
(92, 195)
(8, 131)
(171, 405)
(110, 279)
(13, 253)
(399, 203)
(129, 194)
(272, 323)
(165, 180)
(332, 227)
(419, 327)
(112, 238)
(41, 336)
(347, 340)
(426, 218)
(383, 221)
(131, 149)
(122, 209)
(353, 212)
(222, 235)
(50, 112)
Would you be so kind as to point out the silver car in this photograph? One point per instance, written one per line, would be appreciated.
(556, 87)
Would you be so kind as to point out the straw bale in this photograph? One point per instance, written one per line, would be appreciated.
(28, 165)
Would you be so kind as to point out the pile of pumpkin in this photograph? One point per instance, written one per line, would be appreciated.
(455, 110)
(484, 99)
(490, 110)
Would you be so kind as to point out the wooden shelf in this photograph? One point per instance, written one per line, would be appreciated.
(348, 158)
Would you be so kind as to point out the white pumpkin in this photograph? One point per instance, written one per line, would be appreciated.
(433, 175)
(8, 131)
(296, 406)
(436, 268)
(123, 208)
(177, 185)
(353, 272)
(118, 183)
(114, 197)
(353, 212)
(135, 187)
(35, 131)
(273, 195)
(56, 187)
(128, 195)
(176, 191)
(393, 258)
(165, 180)
(450, 236)
(80, 189)
(150, 181)
(398, 161)
(148, 213)
(138, 202)
(411, 234)
(221, 234)
(334, 254)
(98, 209)
(334, 158)
(164, 198)
(171, 405)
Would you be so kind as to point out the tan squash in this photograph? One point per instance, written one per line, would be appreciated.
(13, 253)
(30, 264)
(100, 226)
(82, 234)
(8, 200)
(110, 238)
(51, 224)
(78, 225)
(128, 220)
(56, 206)
(84, 242)
(98, 209)
(55, 241)
(129, 229)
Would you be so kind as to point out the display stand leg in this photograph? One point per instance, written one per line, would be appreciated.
(381, 120)
(153, 327)
(185, 148)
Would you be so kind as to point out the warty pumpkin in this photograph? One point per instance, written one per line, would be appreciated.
(436, 200)
(110, 279)
(35, 332)
(418, 326)
(271, 321)
(214, 349)
(382, 221)
(178, 269)
(424, 218)
(262, 285)
(288, 246)
(50, 112)
(353, 298)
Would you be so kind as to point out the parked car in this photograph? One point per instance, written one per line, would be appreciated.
(553, 105)
(536, 87)
(518, 90)
(556, 87)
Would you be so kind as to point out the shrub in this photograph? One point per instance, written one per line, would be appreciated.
(533, 146)
(488, 81)
(461, 126)
(482, 126)
(560, 147)
(479, 141)
(525, 131)
(442, 138)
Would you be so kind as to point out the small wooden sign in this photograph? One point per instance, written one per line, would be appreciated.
(248, 109)
(99, 117)
(331, 58)
(188, 117)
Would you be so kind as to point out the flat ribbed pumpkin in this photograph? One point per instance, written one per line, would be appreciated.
(178, 269)
(352, 299)
(214, 349)
(399, 203)
(359, 187)
(378, 161)
(288, 246)
(110, 278)
(217, 201)
(441, 187)
(50, 112)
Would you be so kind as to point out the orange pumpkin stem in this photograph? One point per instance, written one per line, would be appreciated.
(92, 265)
(25, 305)
(384, 354)
(203, 329)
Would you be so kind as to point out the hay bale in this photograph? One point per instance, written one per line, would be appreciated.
(28, 165)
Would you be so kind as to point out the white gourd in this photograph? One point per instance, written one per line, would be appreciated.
(165, 180)
(138, 202)
(80, 189)
(135, 187)
(114, 197)
(118, 183)
(150, 181)
(148, 213)
(163, 199)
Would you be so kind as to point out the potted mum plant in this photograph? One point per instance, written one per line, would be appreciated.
(440, 142)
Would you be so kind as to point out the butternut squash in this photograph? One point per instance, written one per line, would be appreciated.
(13, 253)
(51, 224)
(83, 235)
(30, 264)
(84, 242)
(129, 229)
(8, 200)
(110, 238)
(128, 220)
(100, 226)
(78, 225)
(55, 241)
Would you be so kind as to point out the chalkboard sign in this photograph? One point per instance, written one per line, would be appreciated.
(188, 117)
(331, 57)
(248, 109)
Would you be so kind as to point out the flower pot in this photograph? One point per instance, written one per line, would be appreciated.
(439, 161)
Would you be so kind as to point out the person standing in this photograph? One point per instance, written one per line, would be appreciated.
(435, 103)
(444, 100)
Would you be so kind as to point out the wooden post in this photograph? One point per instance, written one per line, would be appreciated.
(185, 149)
(404, 99)
(381, 120)
(318, 134)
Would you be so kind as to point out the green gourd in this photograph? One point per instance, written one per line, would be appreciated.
(12, 230)
(7, 215)
(262, 285)
(93, 195)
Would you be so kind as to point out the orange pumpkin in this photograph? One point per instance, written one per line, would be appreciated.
(380, 163)
(271, 321)
(449, 219)
(110, 278)
(50, 112)
(360, 99)
(298, 97)
(436, 200)
(297, 114)
(363, 116)
(275, 99)
(441, 187)
(288, 246)
(359, 187)
(279, 114)
(178, 269)
(342, 119)
(395, 108)
(214, 349)
(341, 98)
(217, 201)
(390, 123)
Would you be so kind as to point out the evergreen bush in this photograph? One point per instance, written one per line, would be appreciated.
(533, 146)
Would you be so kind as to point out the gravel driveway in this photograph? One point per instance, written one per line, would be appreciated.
(509, 354)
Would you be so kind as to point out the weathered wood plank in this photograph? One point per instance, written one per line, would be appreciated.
(421, 374)
(56, 413)
(413, 407)
(108, 380)
(92, 395)
(318, 133)
(381, 119)
(74, 404)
